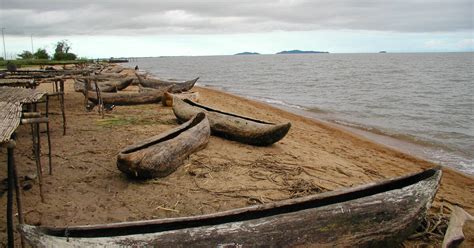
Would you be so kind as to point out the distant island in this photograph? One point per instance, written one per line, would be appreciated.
(299, 52)
(247, 53)
(383, 52)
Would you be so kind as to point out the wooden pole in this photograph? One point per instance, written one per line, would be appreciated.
(99, 97)
(39, 168)
(10, 152)
(49, 137)
(61, 88)
(19, 207)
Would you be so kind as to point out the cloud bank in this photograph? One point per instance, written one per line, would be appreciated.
(145, 17)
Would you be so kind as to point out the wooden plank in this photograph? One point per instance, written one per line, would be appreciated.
(20, 95)
(10, 115)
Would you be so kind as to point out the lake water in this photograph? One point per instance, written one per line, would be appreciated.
(424, 100)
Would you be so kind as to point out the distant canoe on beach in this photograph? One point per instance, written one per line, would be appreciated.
(380, 214)
(129, 98)
(158, 83)
(104, 86)
(232, 126)
(160, 155)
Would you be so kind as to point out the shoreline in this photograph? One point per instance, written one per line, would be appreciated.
(406, 146)
(363, 135)
(450, 174)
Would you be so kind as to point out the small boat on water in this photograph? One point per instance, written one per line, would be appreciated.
(160, 155)
(233, 126)
(167, 99)
(129, 98)
(157, 83)
(379, 214)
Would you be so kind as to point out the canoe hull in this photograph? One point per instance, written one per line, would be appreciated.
(161, 155)
(167, 99)
(105, 86)
(178, 87)
(131, 98)
(231, 126)
(342, 218)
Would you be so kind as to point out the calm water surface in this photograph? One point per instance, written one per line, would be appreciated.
(424, 99)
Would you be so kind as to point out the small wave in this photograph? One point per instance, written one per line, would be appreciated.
(391, 133)
(278, 102)
(316, 110)
(435, 152)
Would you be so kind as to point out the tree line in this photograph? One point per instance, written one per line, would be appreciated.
(61, 52)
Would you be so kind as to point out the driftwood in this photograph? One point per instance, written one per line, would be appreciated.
(157, 83)
(167, 99)
(374, 215)
(232, 126)
(160, 155)
(131, 98)
(454, 235)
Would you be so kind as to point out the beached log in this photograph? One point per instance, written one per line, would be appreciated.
(374, 215)
(232, 126)
(454, 235)
(160, 155)
(129, 98)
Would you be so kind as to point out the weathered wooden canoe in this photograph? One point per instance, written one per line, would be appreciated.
(177, 86)
(160, 155)
(167, 99)
(129, 98)
(104, 86)
(146, 89)
(114, 69)
(111, 75)
(232, 126)
(372, 215)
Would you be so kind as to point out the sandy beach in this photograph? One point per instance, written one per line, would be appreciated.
(87, 188)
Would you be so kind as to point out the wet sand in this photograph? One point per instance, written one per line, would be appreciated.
(87, 188)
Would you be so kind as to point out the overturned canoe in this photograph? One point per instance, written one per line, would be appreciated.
(104, 86)
(232, 126)
(129, 98)
(157, 83)
(162, 154)
(372, 215)
(167, 99)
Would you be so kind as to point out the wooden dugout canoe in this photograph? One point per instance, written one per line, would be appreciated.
(372, 215)
(129, 98)
(232, 126)
(104, 86)
(167, 99)
(162, 154)
(177, 86)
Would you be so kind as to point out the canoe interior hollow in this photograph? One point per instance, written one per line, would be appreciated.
(222, 112)
(255, 213)
(199, 117)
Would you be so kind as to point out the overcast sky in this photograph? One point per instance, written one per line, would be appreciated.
(153, 28)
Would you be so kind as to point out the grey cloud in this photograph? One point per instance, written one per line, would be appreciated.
(54, 17)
